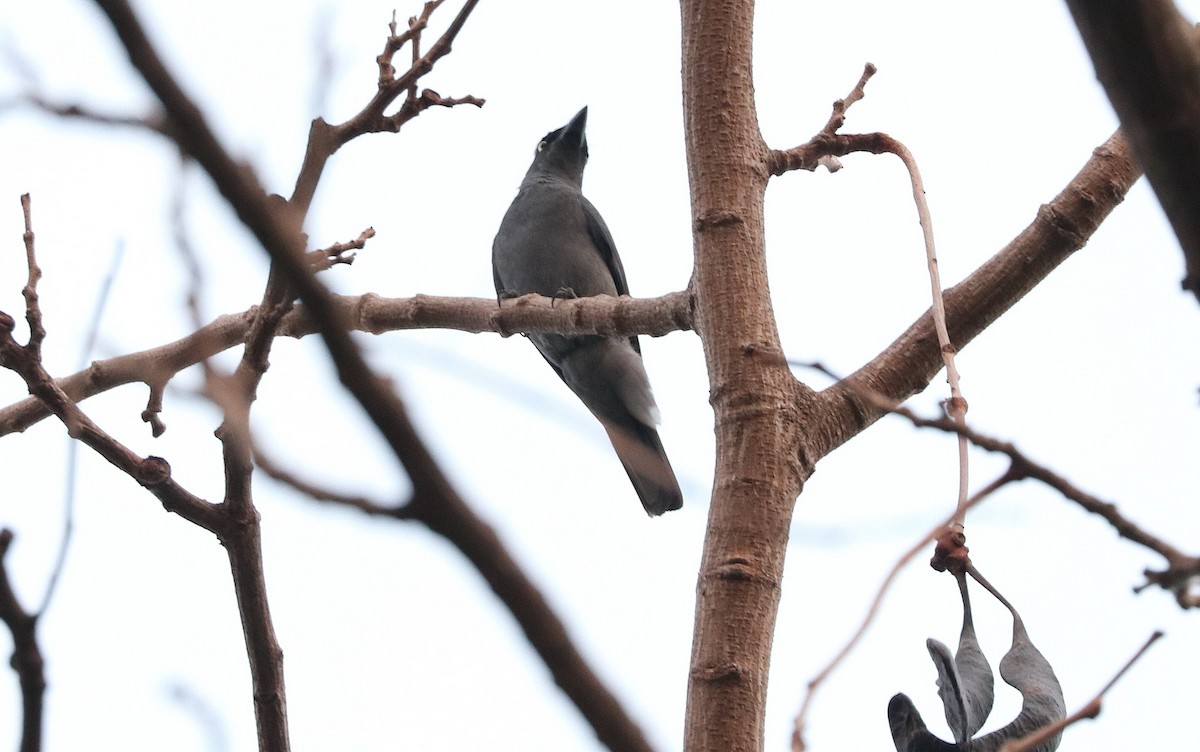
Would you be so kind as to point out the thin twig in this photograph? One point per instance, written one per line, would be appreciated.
(838, 118)
(810, 156)
(819, 151)
(153, 473)
(1181, 570)
(195, 288)
(155, 123)
(325, 139)
(33, 313)
(339, 253)
(909, 364)
(32, 96)
(318, 493)
(956, 406)
(183, 244)
(72, 472)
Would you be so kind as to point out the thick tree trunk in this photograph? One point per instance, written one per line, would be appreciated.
(753, 394)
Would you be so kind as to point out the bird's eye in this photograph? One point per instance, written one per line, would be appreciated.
(541, 145)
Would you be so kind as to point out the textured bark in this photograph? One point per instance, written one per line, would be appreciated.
(754, 396)
(769, 428)
(1147, 57)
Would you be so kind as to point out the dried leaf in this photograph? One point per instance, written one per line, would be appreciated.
(965, 684)
(1026, 669)
(909, 732)
(966, 703)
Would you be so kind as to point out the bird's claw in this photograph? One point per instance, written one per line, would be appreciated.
(562, 293)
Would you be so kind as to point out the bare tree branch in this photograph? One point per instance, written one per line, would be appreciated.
(760, 410)
(824, 146)
(1181, 568)
(818, 152)
(151, 472)
(1147, 56)
(838, 118)
(33, 313)
(27, 656)
(34, 97)
(524, 600)
(318, 493)
(435, 502)
(243, 543)
(340, 253)
(325, 139)
(72, 111)
(765, 450)
(375, 314)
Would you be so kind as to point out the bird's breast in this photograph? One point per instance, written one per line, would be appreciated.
(544, 246)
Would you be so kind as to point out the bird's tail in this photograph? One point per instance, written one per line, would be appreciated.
(608, 375)
(645, 461)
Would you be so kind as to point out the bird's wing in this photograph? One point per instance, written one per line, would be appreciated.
(499, 285)
(603, 241)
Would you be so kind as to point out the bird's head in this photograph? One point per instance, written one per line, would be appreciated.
(563, 153)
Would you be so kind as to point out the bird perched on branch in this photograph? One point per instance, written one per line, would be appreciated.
(553, 242)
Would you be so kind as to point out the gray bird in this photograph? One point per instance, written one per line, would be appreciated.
(553, 242)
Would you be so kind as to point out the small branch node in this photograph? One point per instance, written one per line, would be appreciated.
(153, 471)
(153, 409)
(950, 552)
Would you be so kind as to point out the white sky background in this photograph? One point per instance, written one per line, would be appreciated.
(391, 640)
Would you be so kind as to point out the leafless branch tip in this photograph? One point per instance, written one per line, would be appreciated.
(339, 253)
(33, 311)
(838, 118)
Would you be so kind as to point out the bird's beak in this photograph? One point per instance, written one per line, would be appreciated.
(576, 127)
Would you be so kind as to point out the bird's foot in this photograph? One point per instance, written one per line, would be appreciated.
(562, 293)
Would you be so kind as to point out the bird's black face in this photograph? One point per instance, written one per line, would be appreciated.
(564, 151)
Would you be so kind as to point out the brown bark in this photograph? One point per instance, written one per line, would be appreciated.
(754, 396)
(1147, 57)
(769, 428)
(366, 313)
(26, 657)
